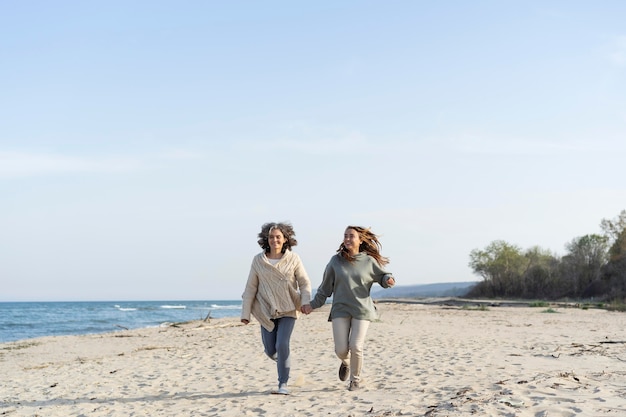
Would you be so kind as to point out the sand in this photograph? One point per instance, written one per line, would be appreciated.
(420, 360)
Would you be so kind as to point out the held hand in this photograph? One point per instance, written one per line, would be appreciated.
(244, 321)
(306, 309)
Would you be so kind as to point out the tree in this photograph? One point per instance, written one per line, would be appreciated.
(613, 228)
(595, 266)
(583, 263)
(614, 273)
(615, 231)
(501, 265)
(541, 277)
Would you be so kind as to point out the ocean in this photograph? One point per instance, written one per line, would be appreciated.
(26, 320)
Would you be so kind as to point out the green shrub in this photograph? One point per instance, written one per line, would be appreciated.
(616, 306)
(538, 304)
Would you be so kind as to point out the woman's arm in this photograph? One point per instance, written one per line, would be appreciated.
(325, 290)
(249, 294)
(383, 277)
(304, 283)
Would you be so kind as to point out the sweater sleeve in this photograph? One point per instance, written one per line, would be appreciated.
(249, 293)
(325, 290)
(384, 280)
(304, 284)
(380, 274)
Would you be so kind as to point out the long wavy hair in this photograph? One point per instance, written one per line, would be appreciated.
(285, 228)
(369, 244)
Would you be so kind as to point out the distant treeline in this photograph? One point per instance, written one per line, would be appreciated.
(594, 267)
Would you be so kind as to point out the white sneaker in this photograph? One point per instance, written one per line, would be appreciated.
(282, 390)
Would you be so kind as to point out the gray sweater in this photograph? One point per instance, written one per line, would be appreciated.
(349, 284)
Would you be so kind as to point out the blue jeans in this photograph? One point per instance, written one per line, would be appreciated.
(276, 343)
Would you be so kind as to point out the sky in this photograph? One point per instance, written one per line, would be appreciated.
(144, 143)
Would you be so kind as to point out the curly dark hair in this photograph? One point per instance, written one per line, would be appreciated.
(285, 228)
(369, 244)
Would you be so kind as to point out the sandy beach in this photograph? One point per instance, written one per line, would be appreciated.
(420, 360)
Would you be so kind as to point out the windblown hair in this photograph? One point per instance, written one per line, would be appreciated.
(369, 244)
(285, 228)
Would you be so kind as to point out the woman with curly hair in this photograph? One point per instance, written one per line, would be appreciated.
(349, 277)
(277, 287)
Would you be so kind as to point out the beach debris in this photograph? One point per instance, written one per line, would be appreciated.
(462, 394)
(567, 375)
(511, 402)
(384, 413)
(432, 408)
(146, 348)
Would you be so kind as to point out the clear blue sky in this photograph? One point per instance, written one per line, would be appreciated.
(144, 143)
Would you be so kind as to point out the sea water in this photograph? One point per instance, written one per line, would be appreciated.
(26, 320)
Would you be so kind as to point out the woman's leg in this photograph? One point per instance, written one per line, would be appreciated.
(284, 327)
(358, 331)
(269, 340)
(341, 336)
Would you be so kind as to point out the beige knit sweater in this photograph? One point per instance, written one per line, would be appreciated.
(275, 291)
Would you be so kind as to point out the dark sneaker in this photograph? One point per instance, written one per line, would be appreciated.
(354, 385)
(344, 371)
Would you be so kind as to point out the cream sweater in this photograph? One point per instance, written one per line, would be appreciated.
(275, 291)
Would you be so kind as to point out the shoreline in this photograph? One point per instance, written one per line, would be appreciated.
(420, 359)
(443, 302)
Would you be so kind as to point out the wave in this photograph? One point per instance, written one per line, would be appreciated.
(226, 307)
(23, 320)
(125, 308)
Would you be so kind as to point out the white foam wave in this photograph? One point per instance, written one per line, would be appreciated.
(230, 307)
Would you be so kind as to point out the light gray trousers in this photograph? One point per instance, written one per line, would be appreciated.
(349, 336)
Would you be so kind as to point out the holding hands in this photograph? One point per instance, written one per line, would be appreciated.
(306, 309)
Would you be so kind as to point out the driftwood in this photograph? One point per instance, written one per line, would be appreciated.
(208, 317)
